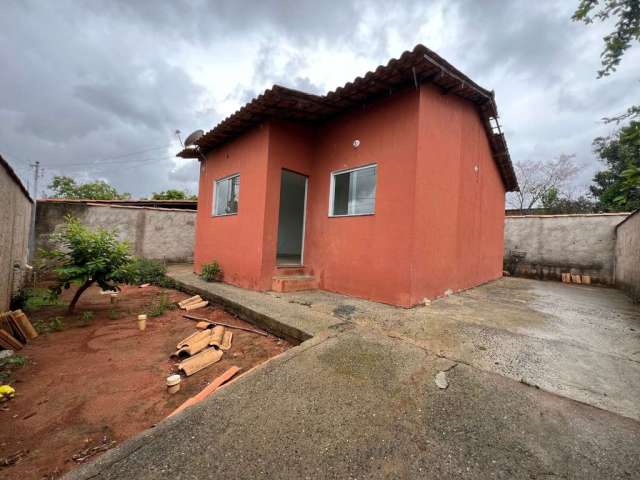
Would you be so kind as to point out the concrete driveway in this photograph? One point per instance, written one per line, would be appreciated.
(359, 400)
(581, 342)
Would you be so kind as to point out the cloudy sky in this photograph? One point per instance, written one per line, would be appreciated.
(96, 89)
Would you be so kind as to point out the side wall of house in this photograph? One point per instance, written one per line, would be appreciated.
(627, 256)
(235, 241)
(367, 256)
(15, 225)
(545, 246)
(459, 199)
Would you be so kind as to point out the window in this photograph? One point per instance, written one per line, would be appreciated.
(353, 192)
(226, 194)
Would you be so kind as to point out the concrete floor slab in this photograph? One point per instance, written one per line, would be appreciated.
(359, 399)
(357, 404)
(582, 342)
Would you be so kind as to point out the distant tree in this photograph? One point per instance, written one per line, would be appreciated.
(627, 29)
(538, 179)
(617, 188)
(554, 202)
(84, 257)
(173, 194)
(66, 187)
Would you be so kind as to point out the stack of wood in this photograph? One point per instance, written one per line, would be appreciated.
(193, 303)
(202, 348)
(15, 330)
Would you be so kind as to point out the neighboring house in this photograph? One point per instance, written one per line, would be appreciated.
(390, 188)
(15, 228)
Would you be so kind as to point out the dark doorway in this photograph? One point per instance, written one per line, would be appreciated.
(293, 200)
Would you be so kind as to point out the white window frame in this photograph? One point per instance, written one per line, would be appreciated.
(332, 187)
(213, 199)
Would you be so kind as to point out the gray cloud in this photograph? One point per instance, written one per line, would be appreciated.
(84, 82)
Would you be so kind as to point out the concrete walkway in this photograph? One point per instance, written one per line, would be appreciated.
(358, 400)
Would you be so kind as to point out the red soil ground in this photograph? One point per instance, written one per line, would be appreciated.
(92, 384)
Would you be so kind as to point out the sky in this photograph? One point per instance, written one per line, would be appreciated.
(97, 89)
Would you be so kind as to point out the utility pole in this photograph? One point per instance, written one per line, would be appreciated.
(32, 233)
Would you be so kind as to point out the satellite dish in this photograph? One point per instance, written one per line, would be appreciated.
(193, 138)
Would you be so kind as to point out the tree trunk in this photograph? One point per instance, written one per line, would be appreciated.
(79, 292)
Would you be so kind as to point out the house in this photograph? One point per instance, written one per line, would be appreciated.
(15, 231)
(390, 188)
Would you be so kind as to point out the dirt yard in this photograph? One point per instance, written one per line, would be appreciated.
(99, 380)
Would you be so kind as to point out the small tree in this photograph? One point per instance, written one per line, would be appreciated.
(84, 257)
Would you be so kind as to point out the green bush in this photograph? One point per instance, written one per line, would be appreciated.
(143, 270)
(211, 272)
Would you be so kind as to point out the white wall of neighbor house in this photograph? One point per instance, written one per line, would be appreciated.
(15, 223)
(627, 265)
(156, 233)
(554, 244)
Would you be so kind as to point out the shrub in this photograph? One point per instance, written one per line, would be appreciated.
(143, 270)
(211, 272)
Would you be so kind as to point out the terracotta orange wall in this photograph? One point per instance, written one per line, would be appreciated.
(367, 256)
(459, 216)
(291, 147)
(437, 225)
(235, 241)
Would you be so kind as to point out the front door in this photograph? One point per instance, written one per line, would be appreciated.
(293, 203)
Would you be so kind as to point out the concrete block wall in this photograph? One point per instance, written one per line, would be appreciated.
(15, 223)
(553, 244)
(627, 256)
(156, 233)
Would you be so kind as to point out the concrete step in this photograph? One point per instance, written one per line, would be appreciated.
(292, 270)
(293, 283)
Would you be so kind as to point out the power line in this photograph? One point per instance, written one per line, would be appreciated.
(117, 158)
(100, 166)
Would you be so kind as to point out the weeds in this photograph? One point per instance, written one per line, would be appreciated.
(114, 314)
(161, 306)
(86, 318)
(9, 365)
(211, 272)
(54, 325)
(32, 299)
